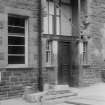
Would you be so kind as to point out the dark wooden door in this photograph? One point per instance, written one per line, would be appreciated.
(64, 62)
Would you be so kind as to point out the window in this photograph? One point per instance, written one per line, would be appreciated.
(84, 7)
(51, 24)
(85, 52)
(49, 52)
(16, 39)
(49, 19)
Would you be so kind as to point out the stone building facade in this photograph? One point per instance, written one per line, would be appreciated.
(62, 43)
(85, 56)
(19, 46)
(93, 14)
(59, 45)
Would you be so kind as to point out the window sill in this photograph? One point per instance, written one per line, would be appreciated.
(49, 65)
(17, 66)
(85, 65)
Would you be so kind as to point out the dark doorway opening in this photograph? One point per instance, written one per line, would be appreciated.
(64, 62)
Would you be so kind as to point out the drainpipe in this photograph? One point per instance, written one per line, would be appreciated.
(75, 44)
(40, 78)
(55, 1)
(79, 22)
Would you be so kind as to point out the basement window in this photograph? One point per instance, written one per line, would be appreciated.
(17, 39)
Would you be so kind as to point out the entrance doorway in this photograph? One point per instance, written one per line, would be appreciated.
(64, 62)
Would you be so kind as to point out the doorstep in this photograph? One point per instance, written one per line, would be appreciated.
(54, 94)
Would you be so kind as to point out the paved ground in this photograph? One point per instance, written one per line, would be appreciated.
(93, 95)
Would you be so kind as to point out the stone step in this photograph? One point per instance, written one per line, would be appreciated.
(54, 94)
(64, 104)
(58, 95)
(75, 103)
(50, 96)
(58, 98)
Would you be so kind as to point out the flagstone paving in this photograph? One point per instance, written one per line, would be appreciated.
(93, 95)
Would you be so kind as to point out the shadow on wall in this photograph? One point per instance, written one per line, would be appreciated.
(103, 75)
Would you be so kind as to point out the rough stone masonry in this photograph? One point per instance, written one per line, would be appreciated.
(94, 71)
(14, 80)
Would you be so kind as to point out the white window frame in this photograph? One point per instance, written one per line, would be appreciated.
(85, 59)
(26, 44)
(49, 50)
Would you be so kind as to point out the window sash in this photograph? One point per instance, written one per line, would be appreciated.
(49, 52)
(85, 59)
(17, 41)
(15, 59)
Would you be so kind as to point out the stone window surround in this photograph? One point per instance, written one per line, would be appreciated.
(49, 52)
(24, 13)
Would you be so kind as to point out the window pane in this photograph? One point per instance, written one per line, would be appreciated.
(48, 45)
(16, 50)
(16, 30)
(13, 40)
(16, 39)
(16, 21)
(16, 59)
(47, 56)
